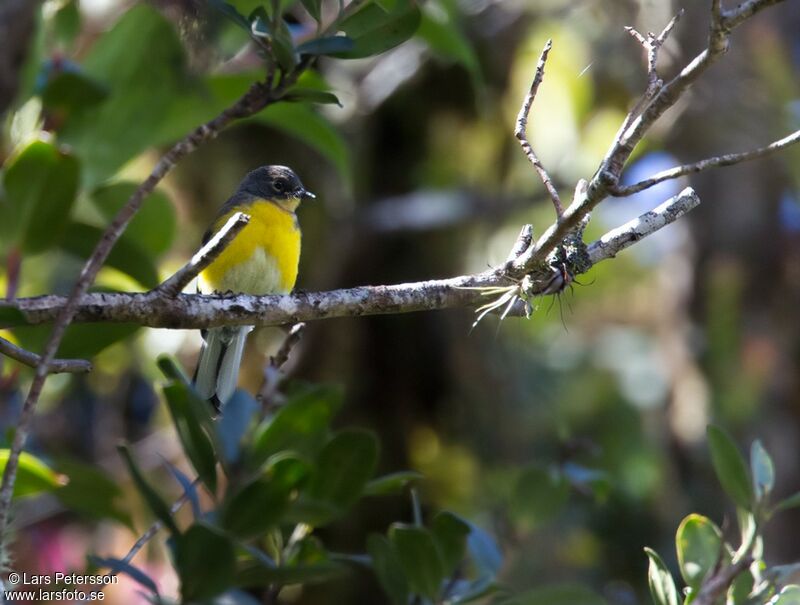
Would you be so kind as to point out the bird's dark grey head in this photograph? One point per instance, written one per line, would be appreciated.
(278, 183)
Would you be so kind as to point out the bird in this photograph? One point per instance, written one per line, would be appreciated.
(262, 259)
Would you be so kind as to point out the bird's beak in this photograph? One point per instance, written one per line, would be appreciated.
(307, 195)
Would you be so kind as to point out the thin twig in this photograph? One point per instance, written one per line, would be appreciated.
(728, 159)
(57, 366)
(192, 311)
(522, 127)
(273, 377)
(204, 257)
(254, 100)
(524, 241)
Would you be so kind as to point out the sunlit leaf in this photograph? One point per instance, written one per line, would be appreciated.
(699, 545)
(33, 475)
(763, 470)
(40, 182)
(374, 30)
(662, 585)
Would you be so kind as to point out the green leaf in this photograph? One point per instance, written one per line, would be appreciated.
(127, 256)
(33, 475)
(662, 585)
(92, 493)
(231, 13)
(393, 483)
(184, 408)
(87, 340)
(328, 45)
(305, 124)
(156, 504)
(152, 228)
(790, 502)
(67, 22)
(388, 569)
(312, 95)
(763, 470)
(374, 30)
(141, 61)
(71, 91)
(450, 533)
(40, 182)
(730, 467)
(343, 468)
(540, 493)
(300, 425)
(416, 551)
(445, 37)
(314, 8)
(740, 589)
(205, 560)
(561, 594)
(699, 544)
(253, 574)
(260, 505)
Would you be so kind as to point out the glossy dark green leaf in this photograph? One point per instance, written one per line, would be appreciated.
(393, 483)
(419, 558)
(563, 594)
(33, 475)
(328, 45)
(540, 493)
(343, 468)
(314, 8)
(283, 48)
(662, 585)
(71, 91)
(171, 369)
(141, 61)
(763, 470)
(205, 560)
(152, 228)
(87, 340)
(231, 13)
(740, 589)
(197, 445)
(259, 27)
(127, 256)
(311, 95)
(92, 493)
(117, 566)
(41, 182)
(374, 31)
(699, 544)
(730, 467)
(450, 534)
(231, 427)
(154, 502)
(260, 505)
(388, 569)
(299, 425)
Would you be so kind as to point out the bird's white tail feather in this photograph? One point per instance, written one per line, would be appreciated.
(218, 367)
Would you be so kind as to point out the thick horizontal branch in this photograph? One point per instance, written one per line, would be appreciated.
(187, 311)
(56, 366)
(728, 159)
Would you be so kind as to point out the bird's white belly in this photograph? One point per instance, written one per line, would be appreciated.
(259, 274)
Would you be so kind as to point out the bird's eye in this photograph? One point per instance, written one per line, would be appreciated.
(280, 185)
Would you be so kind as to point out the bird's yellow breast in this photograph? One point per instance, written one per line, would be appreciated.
(263, 257)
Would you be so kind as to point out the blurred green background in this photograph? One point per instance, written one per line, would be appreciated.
(418, 176)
